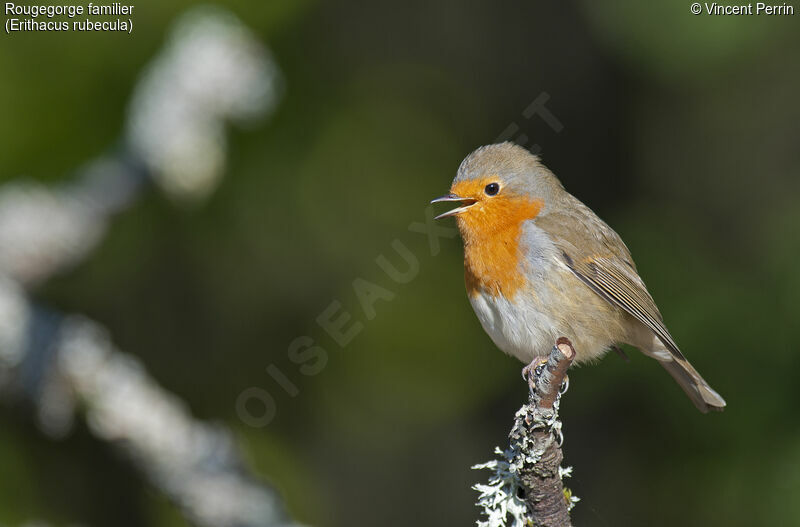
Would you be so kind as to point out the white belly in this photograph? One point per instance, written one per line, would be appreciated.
(521, 329)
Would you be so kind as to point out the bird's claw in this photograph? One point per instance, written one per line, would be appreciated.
(526, 371)
(529, 371)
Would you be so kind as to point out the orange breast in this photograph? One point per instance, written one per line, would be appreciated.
(491, 231)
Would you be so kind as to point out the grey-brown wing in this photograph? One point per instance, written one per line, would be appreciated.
(600, 259)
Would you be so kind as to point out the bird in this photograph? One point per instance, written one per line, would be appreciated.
(539, 265)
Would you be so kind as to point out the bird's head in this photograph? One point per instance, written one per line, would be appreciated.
(498, 187)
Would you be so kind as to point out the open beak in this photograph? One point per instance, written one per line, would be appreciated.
(468, 202)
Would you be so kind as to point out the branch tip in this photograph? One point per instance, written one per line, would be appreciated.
(565, 346)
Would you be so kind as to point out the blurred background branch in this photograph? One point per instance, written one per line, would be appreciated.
(211, 71)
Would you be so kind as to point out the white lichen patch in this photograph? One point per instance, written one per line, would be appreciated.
(498, 499)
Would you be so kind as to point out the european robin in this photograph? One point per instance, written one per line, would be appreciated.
(539, 264)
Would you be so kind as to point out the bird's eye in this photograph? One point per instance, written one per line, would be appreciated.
(492, 189)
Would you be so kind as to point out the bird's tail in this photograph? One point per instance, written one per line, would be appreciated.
(702, 395)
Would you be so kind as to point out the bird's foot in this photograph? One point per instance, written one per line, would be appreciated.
(529, 371)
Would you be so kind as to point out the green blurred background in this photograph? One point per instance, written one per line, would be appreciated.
(680, 130)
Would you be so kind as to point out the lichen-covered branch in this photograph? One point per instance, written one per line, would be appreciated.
(526, 487)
